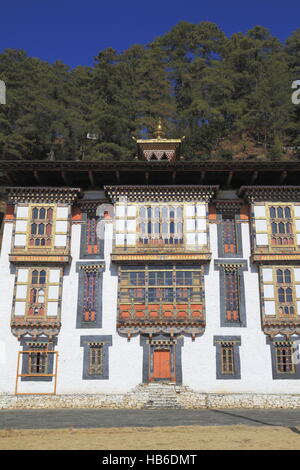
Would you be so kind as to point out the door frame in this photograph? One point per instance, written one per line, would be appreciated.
(171, 377)
(161, 342)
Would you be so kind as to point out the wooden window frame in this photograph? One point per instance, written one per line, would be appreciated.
(276, 286)
(195, 287)
(231, 293)
(227, 359)
(20, 375)
(38, 286)
(284, 220)
(96, 366)
(284, 351)
(229, 240)
(39, 221)
(154, 237)
(90, 281)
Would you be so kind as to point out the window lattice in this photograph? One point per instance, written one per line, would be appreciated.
(96, 360)
(38, 360)
(284, 358)
(91, 235)
(281, 225)
(36, 305)
(229, 235)
(41, 227)
(165, 285)
(285, 292)
(232, 295)
(161, 225)
(227, 359)
(90, 302)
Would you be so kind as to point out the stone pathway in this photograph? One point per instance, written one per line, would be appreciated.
(95, 418)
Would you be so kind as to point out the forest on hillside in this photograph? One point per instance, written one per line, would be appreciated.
(229, 96)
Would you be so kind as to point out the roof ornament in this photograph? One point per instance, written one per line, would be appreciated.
(158, 148)
(159, 133)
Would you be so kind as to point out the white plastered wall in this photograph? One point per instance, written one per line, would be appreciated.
(199, 357)
(125, 358)
(9, 345)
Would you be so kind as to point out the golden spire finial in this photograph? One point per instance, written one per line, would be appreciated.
(159, 133)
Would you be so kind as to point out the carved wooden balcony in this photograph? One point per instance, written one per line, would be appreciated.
(161, 317)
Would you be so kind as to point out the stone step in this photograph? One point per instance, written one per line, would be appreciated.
(158, 395)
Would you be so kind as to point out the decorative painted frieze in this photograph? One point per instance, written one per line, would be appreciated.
(183, 193)
(253, 194)
(42, 195)
(90, 206)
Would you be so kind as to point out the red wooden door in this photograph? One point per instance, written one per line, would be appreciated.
(162, 364)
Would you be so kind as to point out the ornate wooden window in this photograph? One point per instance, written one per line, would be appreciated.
(37, 292)
(232, 292)
(152, 291)
(41, 226)
(95, 358)
(38, 287)
(228, 365)
(227, 358)
(281, 290)
(281, 223)
(89, 296)
(284, 357)
(231, 280)
(229, 234)
(38, 359)
(285, 294)
(89, 306)
(161, 225)
(91, 235)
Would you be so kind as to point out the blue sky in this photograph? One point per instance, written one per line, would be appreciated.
(75, 31)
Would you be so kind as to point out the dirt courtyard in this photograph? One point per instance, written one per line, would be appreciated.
(159, 438)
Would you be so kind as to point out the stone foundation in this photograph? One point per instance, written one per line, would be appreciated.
(154, 396)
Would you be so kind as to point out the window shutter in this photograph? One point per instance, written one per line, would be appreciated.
(61, 226)
(21, 226)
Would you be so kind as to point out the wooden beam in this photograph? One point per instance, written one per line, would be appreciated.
(9, 177)
(254, 177)
(91, 178)
(283, 176)
(229, 178)
(37, 177)
(65, 178)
